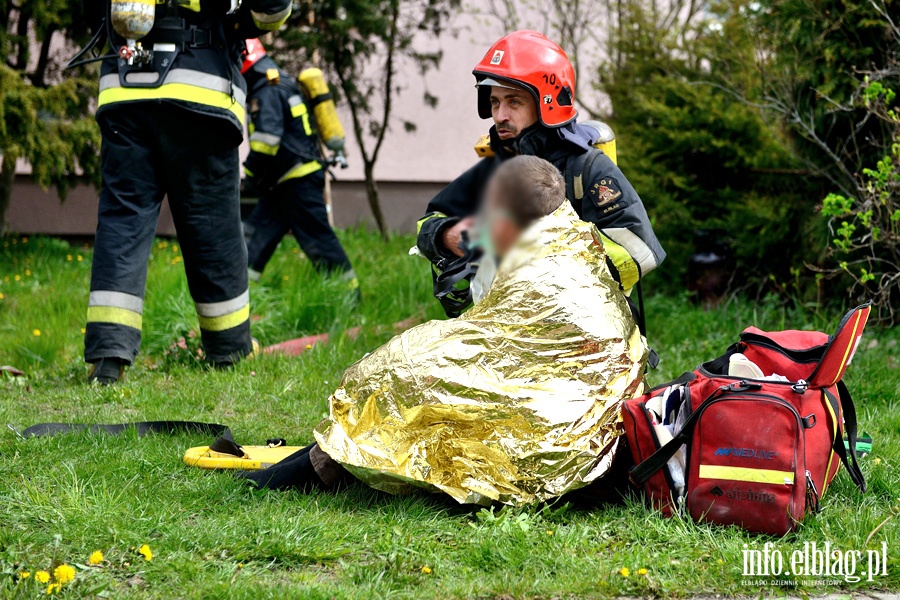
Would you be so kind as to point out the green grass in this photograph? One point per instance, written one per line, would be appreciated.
(63, 497)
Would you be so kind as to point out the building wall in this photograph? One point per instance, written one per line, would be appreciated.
(412, 166)
(33, 210)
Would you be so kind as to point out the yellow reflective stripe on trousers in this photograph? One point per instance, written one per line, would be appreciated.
(219, 316)
(117, 308)
(301, 170)
(270, 22)
(116, 316)
(746, 474)
(186, 85)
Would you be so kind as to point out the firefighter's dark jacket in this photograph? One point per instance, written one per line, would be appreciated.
(205, 75)
(608, 199)
(283, 142)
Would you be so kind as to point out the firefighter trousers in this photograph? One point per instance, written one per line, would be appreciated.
(151, 150)
(296, 205)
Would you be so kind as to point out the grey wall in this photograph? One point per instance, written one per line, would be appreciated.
(34, 211)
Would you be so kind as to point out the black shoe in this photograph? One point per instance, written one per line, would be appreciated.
(107, 371)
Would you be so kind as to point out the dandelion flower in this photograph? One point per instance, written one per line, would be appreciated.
(64, 574)
(24, 240)
(53, 588)
(1, 296)
(83, 331)
(642, 571)
(426, 569)
(42, 576)
(24, 574)
(27, 272)
(624, 572)
(18, 278)
(877, 460)
(145, 551)
(308, 346)
(36, 333)
(69, 257)
(285, 277)
(549, 532)
(78, 258)
(95, 558)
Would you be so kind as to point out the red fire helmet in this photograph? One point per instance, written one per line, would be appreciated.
(530, 60)
(255, 51)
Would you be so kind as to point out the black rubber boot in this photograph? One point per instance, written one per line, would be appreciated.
(107, 371)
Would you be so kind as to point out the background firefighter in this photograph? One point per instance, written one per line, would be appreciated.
(285, 167)
(171, 113)
(526, 83)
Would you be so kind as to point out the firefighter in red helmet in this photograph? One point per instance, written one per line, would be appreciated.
(287, 170)
(526, 84)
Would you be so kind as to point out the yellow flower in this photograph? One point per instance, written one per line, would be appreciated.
(426, 569)
(642, 571)
(27, 272)
(720, 562)
(1, 296)
(78, 258)
(18, 278)
(175, 248)
(145, 551)
(308, 346)
(36, 333)
(24, 574)
(24, 240)
(285, 277)
(69, 257)
(624, 572)
(42, 576)
(877, 460)
(63, 574)
(83, 331)
(96, 556)
(549, 532)
(53, 588)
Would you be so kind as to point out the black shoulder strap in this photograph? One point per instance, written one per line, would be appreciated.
(850, 428)
(656, 461)
(576, 167)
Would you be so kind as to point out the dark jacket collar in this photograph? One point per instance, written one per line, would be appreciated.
(553, 144)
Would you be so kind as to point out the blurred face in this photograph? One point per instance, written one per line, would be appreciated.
(513, 111)
(497, 223)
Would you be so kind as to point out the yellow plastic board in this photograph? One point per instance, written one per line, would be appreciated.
(256, 457)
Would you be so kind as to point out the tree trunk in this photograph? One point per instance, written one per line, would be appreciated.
(374, 202)
(7, 175)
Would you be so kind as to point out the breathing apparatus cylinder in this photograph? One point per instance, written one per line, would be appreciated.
(606, 139)
(319, 98)
(132, 19)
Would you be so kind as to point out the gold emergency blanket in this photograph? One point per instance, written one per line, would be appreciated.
(515, 401)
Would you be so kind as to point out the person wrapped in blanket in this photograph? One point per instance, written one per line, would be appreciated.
(518, 400)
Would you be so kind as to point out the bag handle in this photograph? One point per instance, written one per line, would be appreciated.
(642, 472)
(848, 409)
